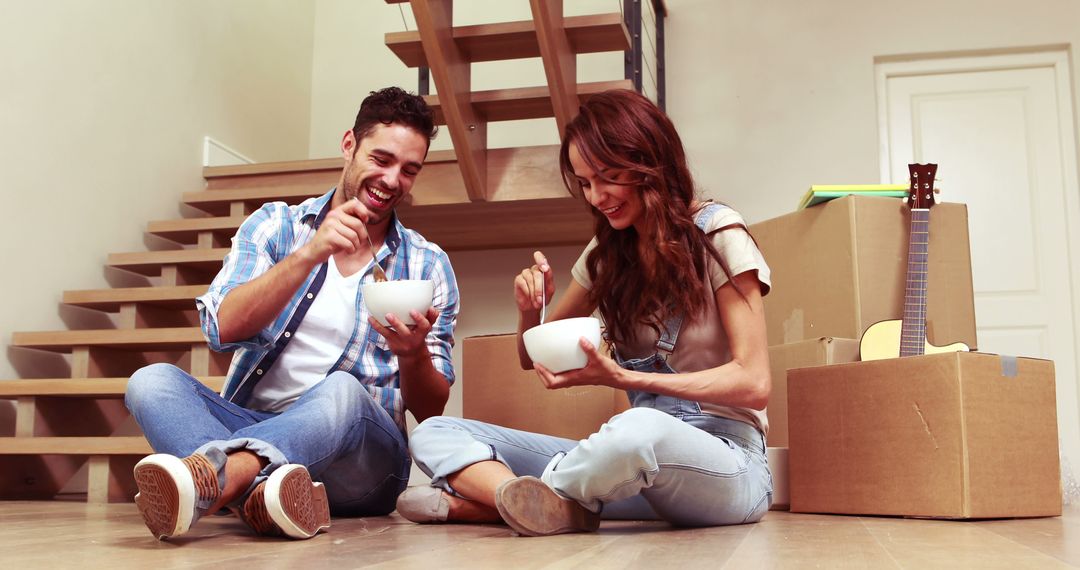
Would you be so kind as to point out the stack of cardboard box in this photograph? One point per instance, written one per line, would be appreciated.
(957, 435)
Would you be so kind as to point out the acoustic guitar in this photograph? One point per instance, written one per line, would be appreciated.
(907, 336)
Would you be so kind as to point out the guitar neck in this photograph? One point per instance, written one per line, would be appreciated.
(913, 329)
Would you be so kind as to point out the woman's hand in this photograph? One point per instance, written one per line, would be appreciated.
(599, 371)
(531, 285)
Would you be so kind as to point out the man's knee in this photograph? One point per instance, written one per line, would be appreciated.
(148, 382)
(341, 384)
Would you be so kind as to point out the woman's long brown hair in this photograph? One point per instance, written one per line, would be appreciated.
(641, 279)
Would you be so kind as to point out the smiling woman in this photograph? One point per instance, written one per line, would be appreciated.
(678, 283)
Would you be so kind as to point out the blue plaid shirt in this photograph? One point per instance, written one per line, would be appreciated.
(275, 231)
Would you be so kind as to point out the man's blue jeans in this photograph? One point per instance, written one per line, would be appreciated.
(344, 438)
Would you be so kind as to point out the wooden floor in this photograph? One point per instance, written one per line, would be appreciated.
(74, 535)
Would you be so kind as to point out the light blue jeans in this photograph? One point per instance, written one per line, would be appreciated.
(344, 438)
(662, 459)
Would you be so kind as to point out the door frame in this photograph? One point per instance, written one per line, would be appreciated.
(1056, 57)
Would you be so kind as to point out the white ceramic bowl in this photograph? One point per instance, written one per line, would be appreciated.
(398, 297)
(555, 344)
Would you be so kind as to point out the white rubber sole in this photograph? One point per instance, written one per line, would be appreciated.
(166, 495)
(297, 505)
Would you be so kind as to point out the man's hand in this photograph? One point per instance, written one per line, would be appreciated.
(407, 341)
(342, 230)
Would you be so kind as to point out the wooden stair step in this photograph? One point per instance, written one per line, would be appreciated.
(528, 207)
(523, 102)
(219, 202)
(280, 167)
(150, 262)
(186, 230)
(80, 387)
(590, 33)
(97, 445)
(172, 338)
(180, 297)
(564, 221)
(449, 225)
(272, 173)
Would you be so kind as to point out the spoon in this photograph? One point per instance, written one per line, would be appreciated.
(380, 275)
(543, 302)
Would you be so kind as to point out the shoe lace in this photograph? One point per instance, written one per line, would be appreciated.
(205, 477)
(255, 515)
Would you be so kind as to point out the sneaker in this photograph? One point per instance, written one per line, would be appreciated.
(533, 509)
(288, 504)
(423, 505)
(173, 492)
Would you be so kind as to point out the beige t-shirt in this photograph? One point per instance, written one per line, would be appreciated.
(702, 343)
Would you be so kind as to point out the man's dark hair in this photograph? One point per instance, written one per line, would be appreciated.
(394, 105)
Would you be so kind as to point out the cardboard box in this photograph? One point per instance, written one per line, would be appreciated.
(840, 267)
(954, 435)
(496, 390)
(782, 357)
(778, 465)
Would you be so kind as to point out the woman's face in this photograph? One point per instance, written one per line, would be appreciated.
(619, 202)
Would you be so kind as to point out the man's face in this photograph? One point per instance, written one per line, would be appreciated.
(382, 168)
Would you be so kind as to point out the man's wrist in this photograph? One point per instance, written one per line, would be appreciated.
(307, 256)
(413, 357)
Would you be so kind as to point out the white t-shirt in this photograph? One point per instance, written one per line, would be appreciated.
(315, 347)
(703, 343)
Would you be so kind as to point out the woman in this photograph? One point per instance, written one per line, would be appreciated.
(678, 283)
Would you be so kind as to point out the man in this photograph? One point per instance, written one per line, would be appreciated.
(312, 417)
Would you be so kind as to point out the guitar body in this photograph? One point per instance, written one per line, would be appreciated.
(907, 337)
(881, 340)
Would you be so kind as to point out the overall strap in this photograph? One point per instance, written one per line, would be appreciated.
(670, 335)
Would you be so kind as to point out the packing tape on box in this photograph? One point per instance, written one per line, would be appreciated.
(1008, 366)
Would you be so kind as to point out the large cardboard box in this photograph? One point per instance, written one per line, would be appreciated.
(783, 357)
(840, 267)
(954, 435)
(496, 390)
(816, 352)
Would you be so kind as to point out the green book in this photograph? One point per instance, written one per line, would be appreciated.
(819, 193)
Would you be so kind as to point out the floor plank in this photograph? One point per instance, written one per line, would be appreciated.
(953, 544)
(50, 533)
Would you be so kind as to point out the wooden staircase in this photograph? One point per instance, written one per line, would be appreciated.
(75, 432)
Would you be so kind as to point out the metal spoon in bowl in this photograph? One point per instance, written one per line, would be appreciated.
(380, 275)
(543, 301)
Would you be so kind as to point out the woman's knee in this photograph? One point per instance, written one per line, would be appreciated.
(636, 429)
(429, 429)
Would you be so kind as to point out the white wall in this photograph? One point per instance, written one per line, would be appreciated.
(103, 107)
(771, 97)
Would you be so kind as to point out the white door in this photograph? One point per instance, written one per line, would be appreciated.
(1001, 130)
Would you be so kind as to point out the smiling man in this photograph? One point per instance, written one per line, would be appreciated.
(312, 417)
